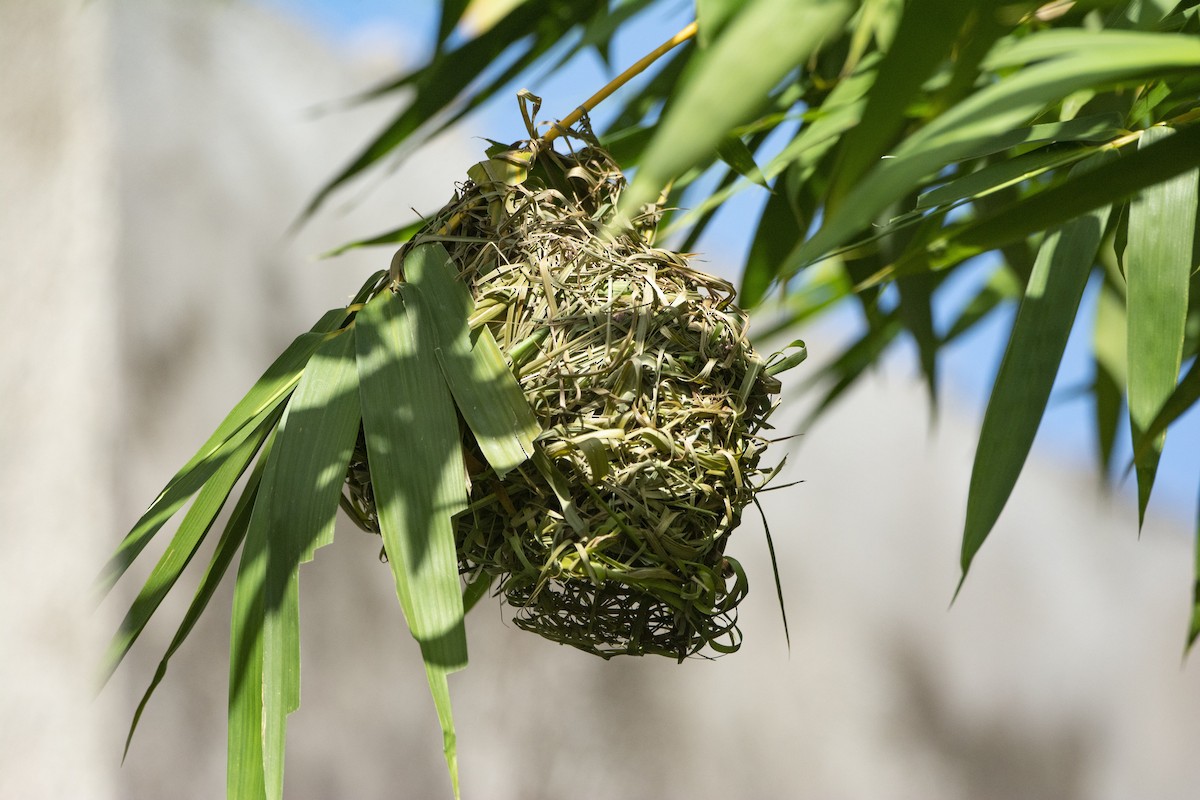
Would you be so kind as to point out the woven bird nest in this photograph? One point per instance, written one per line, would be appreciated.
(651, 403)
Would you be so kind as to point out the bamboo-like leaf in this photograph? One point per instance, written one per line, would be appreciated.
(753, 53)
(316, 438)
(195, 526)
(1182, 399)
(245, 778)
(231, 539)
(984, 121)
(713, 15)
(1000, 288)
(780, 227)
(1002, 174)
(448, 19)
(394, 236)
(419, 479)
(1158, 259)
(734, 152)
(1109, 355)
(1027, 371)
(264, 397)
(821, 132)
(440, 84)
(484, 388)
(927, 30)
(1102, 186)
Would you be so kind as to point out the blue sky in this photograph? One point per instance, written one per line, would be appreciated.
(968, 367)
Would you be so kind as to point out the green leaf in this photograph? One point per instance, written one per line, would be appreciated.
(231, 539)
(394, 236)
(712, 16)
(195, 526)
(730, 81)
(448, 19)
(1158, 265)
(734, 152)
(822, 129)
(1027, 371)
(1185, 395)
(780, 227)
(1102, 186)
(1000, 175)
(484, 388)
(443, 82)
(264, 397)
(418, 475)
(927, 30)
(984, 122)
(313, 447)
(1108, 347)
(245, 778)
(852, 363)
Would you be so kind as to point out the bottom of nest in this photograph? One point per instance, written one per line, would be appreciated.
(612, 618)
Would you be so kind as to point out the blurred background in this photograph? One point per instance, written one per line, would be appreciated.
(153, 155)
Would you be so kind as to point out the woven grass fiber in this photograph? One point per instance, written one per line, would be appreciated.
(651, 401)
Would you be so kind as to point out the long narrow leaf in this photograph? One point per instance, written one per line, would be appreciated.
(314, 445)
(1109, 354)
(1102, 186)
(231, 539)
(192, 531)
(986, 118)
(1186, 395)
(922, 41)
(266, 395)
(1158, 259)
(729, 83)
(1027, 371)
(419, 479)
(484, 388)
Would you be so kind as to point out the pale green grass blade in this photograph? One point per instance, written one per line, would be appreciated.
(231, 539)
(439, 688)
(245, 777)
(419, 479)
(728, 83)
(1028, 369)
(313, 448)
(488, 396)
(984, 122)
(265, 396)
(195, 526)
(1158, 264)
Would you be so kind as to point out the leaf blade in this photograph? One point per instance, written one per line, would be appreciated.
(1027, 371)
(1158, 259)
(314, 445)
(418, 475)
(484, 388)
(753, 53)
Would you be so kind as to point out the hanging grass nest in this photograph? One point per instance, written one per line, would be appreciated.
(650, 400)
